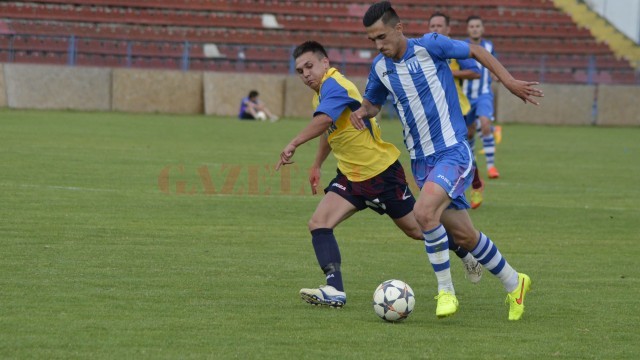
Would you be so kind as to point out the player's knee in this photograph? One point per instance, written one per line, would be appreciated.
(312, 224)
(485, 125)
(315, 223)
(426, 217)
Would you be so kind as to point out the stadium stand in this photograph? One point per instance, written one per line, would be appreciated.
(533, 38)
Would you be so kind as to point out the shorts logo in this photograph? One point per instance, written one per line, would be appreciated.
(339, 186)
(445, 179)
(376, 204)
(405, 196)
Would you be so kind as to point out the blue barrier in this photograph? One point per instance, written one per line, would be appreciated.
(185, 55)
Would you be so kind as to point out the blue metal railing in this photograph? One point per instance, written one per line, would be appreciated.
(71, 58)
(186, 55)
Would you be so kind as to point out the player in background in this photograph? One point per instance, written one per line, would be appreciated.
(465, 69)
(369, 173)
(252, 108)
(416, 72)
(481, 96)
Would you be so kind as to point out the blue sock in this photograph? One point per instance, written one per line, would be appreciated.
(489, 144)
(328, 255)
(487, 254)
(437, 247)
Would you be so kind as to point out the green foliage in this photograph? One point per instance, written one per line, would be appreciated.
(115, 244)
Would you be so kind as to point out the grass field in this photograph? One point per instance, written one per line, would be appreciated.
(155, 236)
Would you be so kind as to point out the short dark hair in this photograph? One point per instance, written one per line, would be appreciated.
(253, 93)
(473, 17)
(310, 46)
(381, 10)
(440, 14)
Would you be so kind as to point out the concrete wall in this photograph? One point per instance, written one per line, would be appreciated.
(161, 91)
(57, 87)
(561, 105)
(618, 105)
(298, 96)
(360, 83)
(3, 88)
(223, 92)
(132, 90)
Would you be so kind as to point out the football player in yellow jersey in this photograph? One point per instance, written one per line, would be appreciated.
(369, 173)
(462, 69)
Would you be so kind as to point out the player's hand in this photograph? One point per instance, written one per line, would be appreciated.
(525, 90)
(314, 179)
(285, 156)
(357, 119)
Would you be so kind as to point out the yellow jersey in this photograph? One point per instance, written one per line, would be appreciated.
(363, 154)
(464, 101)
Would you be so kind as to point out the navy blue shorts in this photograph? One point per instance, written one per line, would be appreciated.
(387, 193)
(246, 116)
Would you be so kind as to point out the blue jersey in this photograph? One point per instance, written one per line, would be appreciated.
(244, 104)
(476, 87)
(424, 93)
(469, 64)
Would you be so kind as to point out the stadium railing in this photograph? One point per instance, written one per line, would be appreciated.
(587, 68)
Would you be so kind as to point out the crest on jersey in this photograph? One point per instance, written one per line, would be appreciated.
(413, 65)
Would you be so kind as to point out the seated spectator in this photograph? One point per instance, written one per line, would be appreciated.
(251, 108)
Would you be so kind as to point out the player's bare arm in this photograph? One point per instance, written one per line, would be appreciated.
(321, 155)
(525, 90)
(465, 74)
(367, 110)
(318, 125)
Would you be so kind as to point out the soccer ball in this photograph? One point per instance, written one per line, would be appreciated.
(260, 115)
(393, 300)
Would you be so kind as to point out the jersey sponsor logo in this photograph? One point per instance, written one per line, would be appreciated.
(331, 129)
(341, 187)
(388, 72)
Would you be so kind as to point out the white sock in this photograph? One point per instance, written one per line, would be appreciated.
(487, 254)
(437, 247)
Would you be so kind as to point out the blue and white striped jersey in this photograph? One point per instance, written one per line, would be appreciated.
(476, 87)
(424, 93)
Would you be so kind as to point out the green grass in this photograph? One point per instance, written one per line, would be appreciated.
(102, 256)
